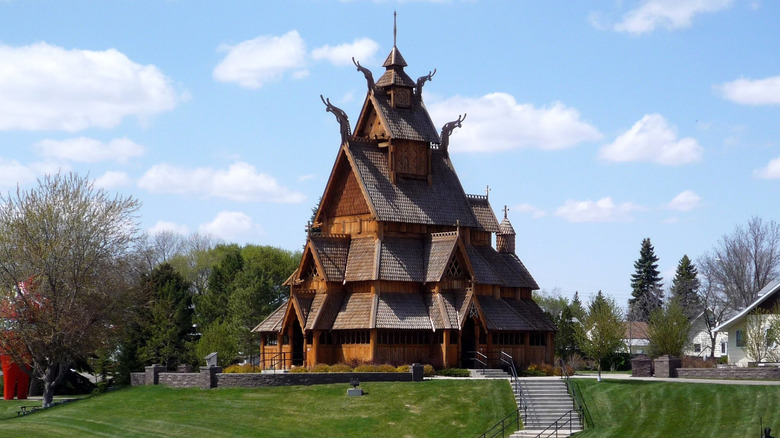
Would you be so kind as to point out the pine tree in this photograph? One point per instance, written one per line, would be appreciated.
(646, 284)
(685, 288)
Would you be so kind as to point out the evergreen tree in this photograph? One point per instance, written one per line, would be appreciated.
(568, 334)
(577, 311)
(646, 284)
(685, 288)
(212, 305)
(167, 326)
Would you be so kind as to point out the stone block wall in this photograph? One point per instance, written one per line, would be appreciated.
(666, 366)
(256, 380)
(137, 379)
(180, 380)
(760, 373)
(642, 367)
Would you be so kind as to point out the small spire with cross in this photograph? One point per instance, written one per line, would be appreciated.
(506, 210)
(487, 192)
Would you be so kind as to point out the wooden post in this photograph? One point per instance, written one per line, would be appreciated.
(372, 345)
(445, 349)
(314, 349)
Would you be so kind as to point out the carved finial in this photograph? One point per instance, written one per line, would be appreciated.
(341, 117)
(395, 26)
(506, 210)
(447, 129)
(367, 73)
(487, 192)
(422, 80)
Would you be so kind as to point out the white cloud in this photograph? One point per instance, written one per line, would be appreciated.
(362, 49)
(89, 150)
(496, 122)
(752, 91)
(685, 201)
(111, 180)
(173, 227)
(240, 182)
(651, 139)
(536, 213)
(771, 171)
(232, 226)
(670, 14)
(603, 210)
(254, 62)
(44, 87)
(13, 173)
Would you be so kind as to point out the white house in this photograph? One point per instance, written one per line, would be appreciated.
(700, 343)
(635, 337)
(768, 300)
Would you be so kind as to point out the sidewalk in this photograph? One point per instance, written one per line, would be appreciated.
(680, 380)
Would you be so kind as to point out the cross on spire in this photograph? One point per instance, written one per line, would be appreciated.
(506, 210)
(487, 192)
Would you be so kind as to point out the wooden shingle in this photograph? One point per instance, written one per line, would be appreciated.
(355, 312)
(402, 311)
(273, 322)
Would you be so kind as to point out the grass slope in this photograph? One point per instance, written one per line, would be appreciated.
(666, 409)
(435, 408)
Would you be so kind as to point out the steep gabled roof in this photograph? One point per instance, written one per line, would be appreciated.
(401, 260)
(532, 313)
(355, 312)
(273, 322)
(362, 260)
(443, 202)
(437, 252)
(501, 316)
(331, 253)
(483, 212)
(411, 123)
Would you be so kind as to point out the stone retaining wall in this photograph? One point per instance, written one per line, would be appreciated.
(255, 380)
(213, 377)
(730, 373)
(180, 380)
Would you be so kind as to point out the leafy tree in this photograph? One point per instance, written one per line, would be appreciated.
(685, 288)
(668, 330)
(745, 261)
(552, 302)
(761, 335)
(65, 271)
(646, 284)
(168, 317)
(603, 329)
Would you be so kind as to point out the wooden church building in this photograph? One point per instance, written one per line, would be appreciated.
(399, 266)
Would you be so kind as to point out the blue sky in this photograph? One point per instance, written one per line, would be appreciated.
(599, 123)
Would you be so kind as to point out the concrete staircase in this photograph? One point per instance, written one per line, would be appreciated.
(489, 373)
(547, 400)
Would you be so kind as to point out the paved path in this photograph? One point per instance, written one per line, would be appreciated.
(679, 380)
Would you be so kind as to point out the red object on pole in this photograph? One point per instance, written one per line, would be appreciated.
(15, 380)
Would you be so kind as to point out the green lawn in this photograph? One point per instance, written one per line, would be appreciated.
(437, 408)
(666, 409)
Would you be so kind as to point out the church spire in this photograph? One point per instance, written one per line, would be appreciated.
(505, 238)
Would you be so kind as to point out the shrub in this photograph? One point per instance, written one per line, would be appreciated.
(428, 370)
(403, 369)
(246, 368)
(366, 368)
(320, 368)
(386, 368)
(723, 360)
(340, 368)
(454, 372)
(299, 370)
(540, 369)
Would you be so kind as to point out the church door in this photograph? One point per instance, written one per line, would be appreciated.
(468, 344)
(297, 344)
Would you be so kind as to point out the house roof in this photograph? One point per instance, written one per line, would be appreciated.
(532, 313)
(332, 254)
(771, 290)
(355, 312)
(501, 316)
(635, 330)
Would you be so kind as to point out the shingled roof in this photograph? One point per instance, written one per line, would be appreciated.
(332, 253)
(273, 323)
(411, 123)
(402, 311)
(355, 312)
(437, 251)
(533, 314)
(402, 260)
(501, 316)
(483, 212)
(443, 202)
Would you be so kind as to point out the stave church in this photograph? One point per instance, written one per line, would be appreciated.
(398, 265)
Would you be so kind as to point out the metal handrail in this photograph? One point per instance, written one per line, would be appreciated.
(501, 426)
(579, 402)
(555, 423)
(476, 360)
(274, 360)
(516, 389)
